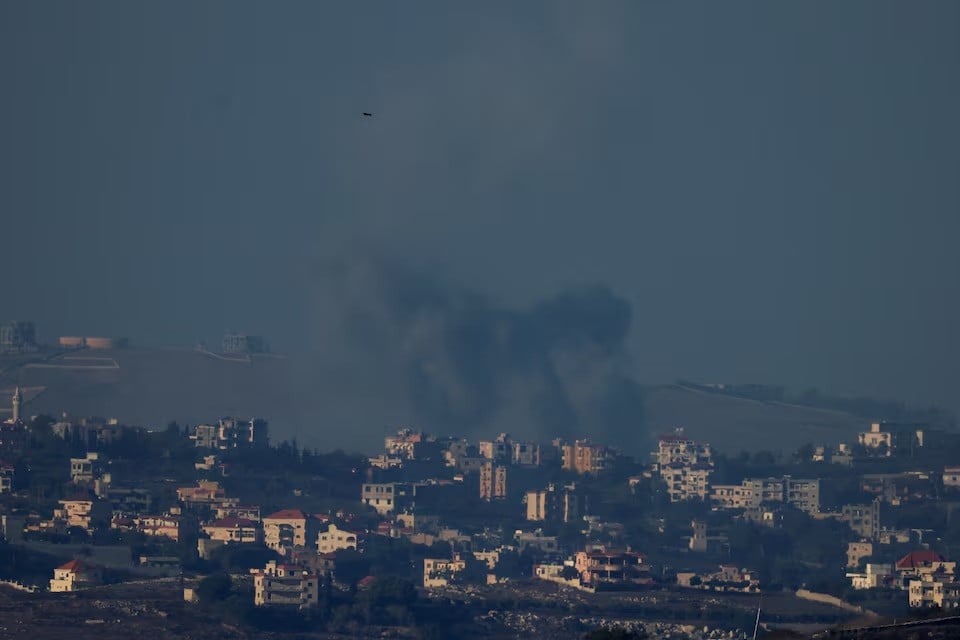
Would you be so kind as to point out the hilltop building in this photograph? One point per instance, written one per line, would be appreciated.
(493, 481)
(230, 433)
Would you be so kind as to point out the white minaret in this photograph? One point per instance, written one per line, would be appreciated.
(16, 404)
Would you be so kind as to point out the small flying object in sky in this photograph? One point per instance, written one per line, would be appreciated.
(367, 114)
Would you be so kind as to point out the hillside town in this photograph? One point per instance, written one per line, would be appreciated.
(867, 526)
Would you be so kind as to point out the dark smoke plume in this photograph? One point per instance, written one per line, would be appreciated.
(453, 361)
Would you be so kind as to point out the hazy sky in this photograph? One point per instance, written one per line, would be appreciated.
(774, 187)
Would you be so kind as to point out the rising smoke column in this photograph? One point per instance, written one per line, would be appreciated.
(464, 364)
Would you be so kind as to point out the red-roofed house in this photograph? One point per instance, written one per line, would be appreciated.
(75, 575)
(923, 563)
(287, 529)
(234, 531)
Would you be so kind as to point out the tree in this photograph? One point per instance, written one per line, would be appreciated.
(214, 588)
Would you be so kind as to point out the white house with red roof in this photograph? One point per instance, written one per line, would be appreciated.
(923, 564)
(75, 575)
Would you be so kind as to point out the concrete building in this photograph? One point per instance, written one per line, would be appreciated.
(931, 591)
(170, 526)
(863, 519)
(234, 531)
(677, 448)
(87, 512)
(87, 469)
(493, 481)
(687, 482)
(752, 493)
(387, 497)
(874, 576)
(334, 539)
(857, 551)
(611, 568)
(230, 433)
(563, 504)
(287, 529)
(886, 437)
(205, 493)
(7, 472)
(526, 454)
(75, 575)
(583, 457)
(440, 572)
(285, 585)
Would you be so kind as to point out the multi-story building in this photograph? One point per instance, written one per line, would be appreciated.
(583, 457)
(87, 512)
(493, 481)
(687, 482)
(75, 575)
(527, 454)
(408, 444)
(334, 539)
(243, 344)
(754, 492)
(287, 529)
(285, 585)
(564, 504)
(174, 527)
(498, 450)
(605, 566)
(234, 531)
(206, 493)
(677, 448)
(863, 519)
(931, 591)
(857, 551)
(7, 472)
(387, 497)
(87, 469)
(923, 565)
(886, 437)
(230, 433)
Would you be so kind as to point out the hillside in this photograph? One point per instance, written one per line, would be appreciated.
(734, 424)
(323, 407)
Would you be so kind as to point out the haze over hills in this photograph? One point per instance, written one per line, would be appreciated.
(328, 407)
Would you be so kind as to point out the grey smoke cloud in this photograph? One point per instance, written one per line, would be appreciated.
(463, 363)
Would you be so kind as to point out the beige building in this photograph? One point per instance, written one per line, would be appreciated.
(677, 448)
(873, 577)
(564, 504)
(755, 492)
(583, 457)
(863, 519)
(493, 481)
(6, 476)
(205, 493)
(609, 566)
(87, 512)
(75, 575)
(287, 529)
(857, 551)
(86, 469)
(234, 531)
(174, 527)
(931, 591)
(951, 477)
(334, 539)
(687, 482)
(438, 572)
(285, 585)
